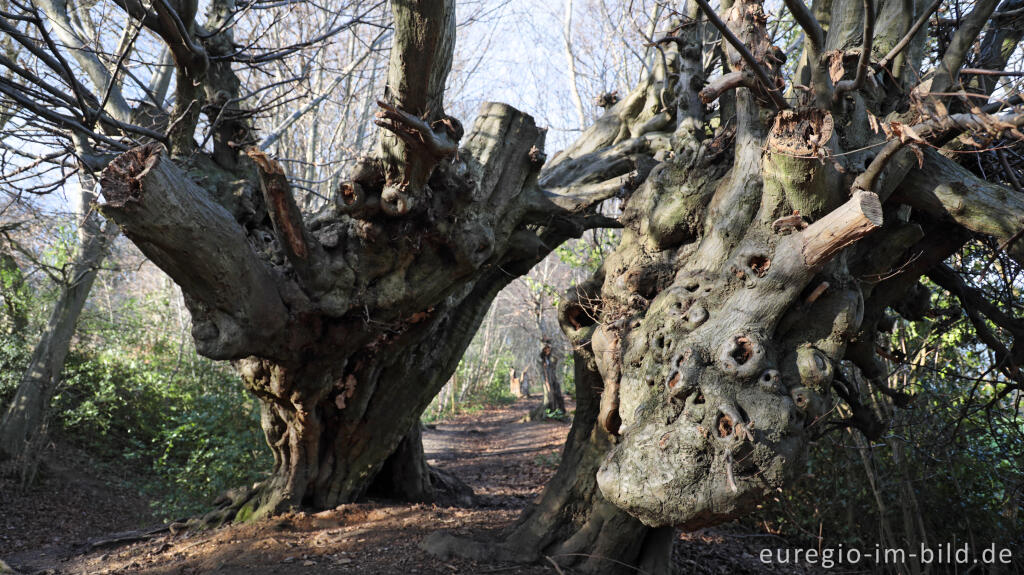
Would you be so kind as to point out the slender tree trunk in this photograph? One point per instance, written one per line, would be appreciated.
(25, 417)
(554, 400)
(570, 59)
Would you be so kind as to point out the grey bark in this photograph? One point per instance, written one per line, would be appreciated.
(708, 345)
(734, 294)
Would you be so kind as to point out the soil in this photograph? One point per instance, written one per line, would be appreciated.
(64, 524)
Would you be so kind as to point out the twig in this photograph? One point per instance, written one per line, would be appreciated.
(983, 72)
(555, 565)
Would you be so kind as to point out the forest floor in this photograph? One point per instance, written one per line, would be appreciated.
(54, 529)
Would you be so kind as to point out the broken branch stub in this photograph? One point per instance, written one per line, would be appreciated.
(231, 293)
(858, 217)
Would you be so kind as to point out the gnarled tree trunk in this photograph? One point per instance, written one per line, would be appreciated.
(748, 270)
(346, 323)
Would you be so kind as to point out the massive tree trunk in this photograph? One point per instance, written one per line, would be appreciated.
(345, 324)
(751, 265)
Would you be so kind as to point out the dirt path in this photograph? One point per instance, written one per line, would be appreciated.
(505, 462)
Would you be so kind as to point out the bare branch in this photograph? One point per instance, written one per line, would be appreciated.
(236, 307)
(755, 66)
(905, 41)
(947, 72)
(947, 191)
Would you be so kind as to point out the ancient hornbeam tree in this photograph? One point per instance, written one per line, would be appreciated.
(758, 261)
(346, 322)
(773, 213)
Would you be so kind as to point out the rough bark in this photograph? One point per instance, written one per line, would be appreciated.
(346, 327)
(708, 344)
(572, 522)
(748, 269)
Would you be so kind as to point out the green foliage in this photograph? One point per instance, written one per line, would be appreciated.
(496, 388)
(14, 357)
(185, 423)
(951, 468)
(480, 382)
(135, 395)
(588, 255)
(542, 288)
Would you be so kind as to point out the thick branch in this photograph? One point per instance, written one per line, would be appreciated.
(947, 191)
(810, 25)
(937, 129)
(421, 56)
(302, 249)
(825, 238)
(86, 58)
(726, 82)
(947, 73)
(440, 139)
(236, 308)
